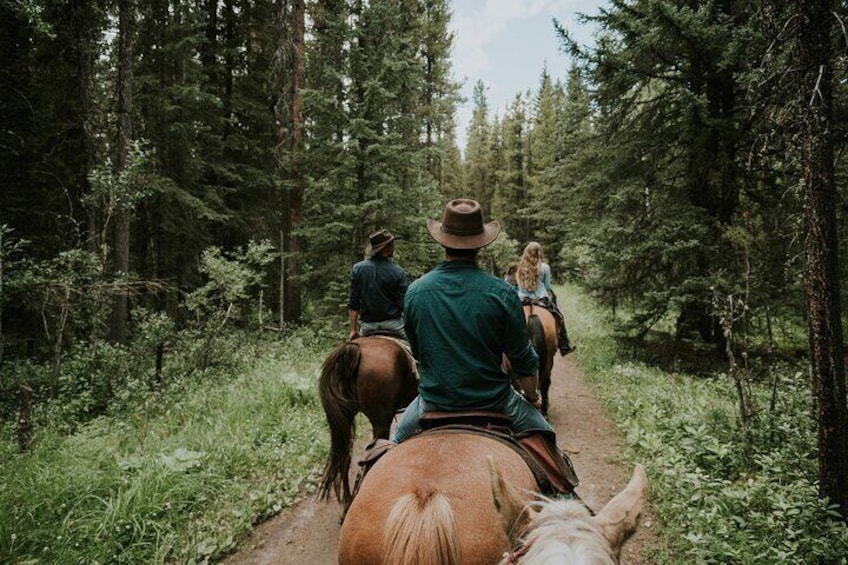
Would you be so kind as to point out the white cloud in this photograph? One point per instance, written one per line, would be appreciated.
(484, 29)
(476, 25)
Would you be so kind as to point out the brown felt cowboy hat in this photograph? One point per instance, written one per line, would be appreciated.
(462, 226)
(378, 240)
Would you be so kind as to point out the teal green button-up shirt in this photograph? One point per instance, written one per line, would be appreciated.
(460, 320)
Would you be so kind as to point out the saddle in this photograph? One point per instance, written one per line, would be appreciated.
(552, 469)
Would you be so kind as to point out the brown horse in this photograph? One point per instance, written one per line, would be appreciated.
(432, 493)
(541, 326)
(373, 375)
(433, 500)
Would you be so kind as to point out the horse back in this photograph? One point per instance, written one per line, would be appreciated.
(449, 467)
(382, 360)
(545, 319)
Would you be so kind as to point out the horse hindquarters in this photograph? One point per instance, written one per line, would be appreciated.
(386, 383)
(545, 348)
(435, 488)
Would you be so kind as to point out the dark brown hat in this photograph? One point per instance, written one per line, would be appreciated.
(462, 226)
(378, 240)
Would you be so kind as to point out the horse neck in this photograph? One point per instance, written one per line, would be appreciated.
(563, 533)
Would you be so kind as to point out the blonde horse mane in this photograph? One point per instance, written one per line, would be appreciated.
(421, 530)
(563, 531)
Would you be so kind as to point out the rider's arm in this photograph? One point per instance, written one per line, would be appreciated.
(529, 386)
(353, 316)
(546, 277)
(354, 301)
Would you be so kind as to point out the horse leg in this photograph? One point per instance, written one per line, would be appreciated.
(544, 388)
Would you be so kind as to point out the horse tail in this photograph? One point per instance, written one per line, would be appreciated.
(337, 389)
(536, 330)
(421, 530)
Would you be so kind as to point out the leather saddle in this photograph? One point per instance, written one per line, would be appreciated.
(552, 468)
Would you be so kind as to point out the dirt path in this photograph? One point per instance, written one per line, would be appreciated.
(307, 534)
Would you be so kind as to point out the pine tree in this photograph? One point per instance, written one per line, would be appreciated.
(512, 198)
(477, 177)
(671, 109)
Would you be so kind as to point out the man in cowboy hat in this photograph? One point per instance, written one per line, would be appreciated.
(377, 289)
(460, 322)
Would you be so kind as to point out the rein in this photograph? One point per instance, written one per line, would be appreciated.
(512, 557)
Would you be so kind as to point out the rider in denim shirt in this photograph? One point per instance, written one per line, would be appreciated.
(377, 289)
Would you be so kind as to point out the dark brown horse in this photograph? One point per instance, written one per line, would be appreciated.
(541, 326)
(449, 498)
(373, 375)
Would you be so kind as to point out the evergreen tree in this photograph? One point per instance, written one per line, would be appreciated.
(477, 148)
(558, 207)
(452, 179)
(544, 149)
(672, 114)
(512, 198)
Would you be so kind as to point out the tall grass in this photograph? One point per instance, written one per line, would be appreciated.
(179, 477)
(717, 498)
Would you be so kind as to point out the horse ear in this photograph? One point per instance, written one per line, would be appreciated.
(619, 518)
(515, 516)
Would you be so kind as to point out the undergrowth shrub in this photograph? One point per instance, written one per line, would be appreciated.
(178, 474)
(717, 497)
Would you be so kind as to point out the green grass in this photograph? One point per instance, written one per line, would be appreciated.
(717, 499)
(178, 479)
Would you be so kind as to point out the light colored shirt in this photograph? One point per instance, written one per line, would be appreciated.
(542, 290)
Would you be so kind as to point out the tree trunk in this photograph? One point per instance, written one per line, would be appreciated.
(121, 247)
(289, 110)
(821, 243)
(2, 341)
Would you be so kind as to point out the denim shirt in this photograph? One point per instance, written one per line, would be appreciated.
(543, 289)
(460, 321)
(377, 289)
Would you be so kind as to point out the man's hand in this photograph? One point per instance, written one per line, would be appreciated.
(528, 386)
(353, 317)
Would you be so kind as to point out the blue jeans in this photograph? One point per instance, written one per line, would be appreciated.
(524, 416)
(395, 325)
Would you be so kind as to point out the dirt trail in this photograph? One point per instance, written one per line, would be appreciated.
(307, 534)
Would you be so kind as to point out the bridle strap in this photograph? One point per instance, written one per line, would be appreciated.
(512, 557)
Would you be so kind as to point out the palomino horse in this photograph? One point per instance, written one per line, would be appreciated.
(542, 328)
(564, 531)
(373, 375)
(433, 500)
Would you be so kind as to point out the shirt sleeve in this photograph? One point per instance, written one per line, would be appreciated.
(546, 276)
(517, 342)
(409, 326)
(402, 287)
(354, 300)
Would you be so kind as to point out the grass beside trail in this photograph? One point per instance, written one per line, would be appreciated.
(717, 499)
(179, 479)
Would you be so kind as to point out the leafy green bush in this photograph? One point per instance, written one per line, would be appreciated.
(177, 476)
(717, 498)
